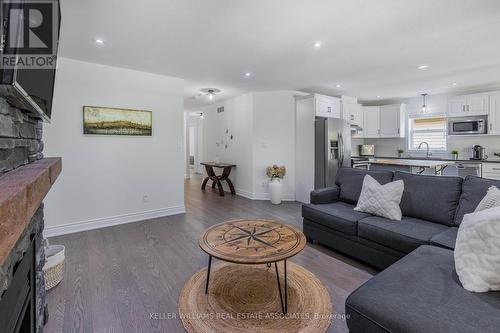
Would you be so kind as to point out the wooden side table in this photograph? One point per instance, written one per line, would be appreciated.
(253, 242)
(216, 180)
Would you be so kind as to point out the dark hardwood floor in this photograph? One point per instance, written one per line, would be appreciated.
(116, 277)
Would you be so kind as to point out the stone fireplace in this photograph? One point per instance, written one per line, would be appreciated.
(25, 179)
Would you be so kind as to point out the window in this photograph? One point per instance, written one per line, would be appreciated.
(430, 130)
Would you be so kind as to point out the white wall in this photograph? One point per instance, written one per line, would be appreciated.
(237, 121)
(105, 178)
(262, 125)
(273, 140)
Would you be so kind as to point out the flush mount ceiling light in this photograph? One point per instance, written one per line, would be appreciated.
(210, 92)
(248, 74)
(454, 84)
(317, 44)
(337, 86)
(424, 107)
(378, 96)
(99, 41)
(423, 67)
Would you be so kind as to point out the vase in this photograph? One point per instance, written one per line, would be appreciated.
(276, 190)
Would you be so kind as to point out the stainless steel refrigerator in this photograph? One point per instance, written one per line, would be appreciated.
(332, 150)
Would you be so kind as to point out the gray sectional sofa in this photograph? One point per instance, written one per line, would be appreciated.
(420, 291)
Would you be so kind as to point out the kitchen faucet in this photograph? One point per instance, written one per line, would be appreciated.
(427, 154)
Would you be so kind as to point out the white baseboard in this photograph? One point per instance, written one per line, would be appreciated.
(261, 196)
(111, 221)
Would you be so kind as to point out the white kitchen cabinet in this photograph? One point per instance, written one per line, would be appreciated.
(327, 106)
(468, 105)
(491, 170)
(456, 106)
(494, 114)
(392, 121)
(371, 119)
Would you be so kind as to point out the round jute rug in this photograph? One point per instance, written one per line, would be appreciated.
(245, 298)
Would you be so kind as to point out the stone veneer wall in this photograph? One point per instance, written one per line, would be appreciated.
(20, 144)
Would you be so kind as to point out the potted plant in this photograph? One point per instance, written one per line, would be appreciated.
(400, 152)
(454, 153)
(276, 174)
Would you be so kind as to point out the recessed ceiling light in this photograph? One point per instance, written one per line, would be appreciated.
(317, 44)
(338, 86)
(378, 96)
(247, 74)
(423, 67)
(454, 84)
(99, 41)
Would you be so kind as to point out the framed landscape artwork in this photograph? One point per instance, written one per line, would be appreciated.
(115, 121)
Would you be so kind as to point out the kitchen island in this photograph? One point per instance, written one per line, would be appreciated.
(410, 165)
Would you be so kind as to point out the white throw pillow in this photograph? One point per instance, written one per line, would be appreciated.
(477, 251)
(381, 200)
(490, 200)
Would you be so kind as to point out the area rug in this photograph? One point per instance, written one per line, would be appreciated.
(245, 298)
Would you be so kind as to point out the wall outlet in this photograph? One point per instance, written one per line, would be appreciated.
(145, 198)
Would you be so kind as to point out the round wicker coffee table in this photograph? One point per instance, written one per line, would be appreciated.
(253, 241)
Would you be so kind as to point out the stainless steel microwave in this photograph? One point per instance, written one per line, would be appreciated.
(468, 125)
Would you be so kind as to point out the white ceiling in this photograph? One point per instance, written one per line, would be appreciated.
(369, 47)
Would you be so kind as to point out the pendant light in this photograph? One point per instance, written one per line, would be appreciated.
(424, 107)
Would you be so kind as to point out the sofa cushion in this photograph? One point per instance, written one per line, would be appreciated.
(350, 182)
(446, 239)
(421, 293)
(339, 216)
(404, 236)
(473, 191)
(430, 198)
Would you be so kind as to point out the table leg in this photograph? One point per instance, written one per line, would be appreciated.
(286, 289)
(279, 287)
(205, 183)
(225, 176)
(208, 273)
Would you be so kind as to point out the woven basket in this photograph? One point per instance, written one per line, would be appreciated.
(54, 267)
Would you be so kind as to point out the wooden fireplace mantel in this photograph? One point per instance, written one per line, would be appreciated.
(21, 193)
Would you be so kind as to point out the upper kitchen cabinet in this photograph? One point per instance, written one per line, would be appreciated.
(494, 114)
(371, 119)
(392, 121)
(327, 106)
(353, 114)
(468, 105)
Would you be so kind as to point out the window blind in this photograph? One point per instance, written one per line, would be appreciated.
(430, 130)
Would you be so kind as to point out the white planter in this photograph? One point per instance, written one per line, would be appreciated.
(276, 190)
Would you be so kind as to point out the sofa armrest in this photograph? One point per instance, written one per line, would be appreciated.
(325, 195)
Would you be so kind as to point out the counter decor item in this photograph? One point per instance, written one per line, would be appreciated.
(276, 174)
(400, 152)
(454, 153)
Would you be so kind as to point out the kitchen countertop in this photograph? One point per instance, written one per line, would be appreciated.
(411, 162)
(491, 160)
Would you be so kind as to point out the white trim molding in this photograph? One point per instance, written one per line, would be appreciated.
(111, 221)
(262, 196)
